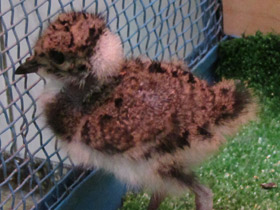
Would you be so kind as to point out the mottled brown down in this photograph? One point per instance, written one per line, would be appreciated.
(162, 105)
(147, 122)
(74, 32)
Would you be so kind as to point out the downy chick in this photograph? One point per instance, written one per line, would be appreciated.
(148, 122)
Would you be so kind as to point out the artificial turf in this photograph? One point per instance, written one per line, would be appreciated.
(249, 159)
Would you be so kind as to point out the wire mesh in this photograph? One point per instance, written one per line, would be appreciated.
(32, 165)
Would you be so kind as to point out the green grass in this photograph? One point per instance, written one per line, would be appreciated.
(249, 159)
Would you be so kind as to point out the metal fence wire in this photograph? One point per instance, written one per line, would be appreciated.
(31, 163)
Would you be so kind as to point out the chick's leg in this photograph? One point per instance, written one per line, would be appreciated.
(203, 195)
(155, 201)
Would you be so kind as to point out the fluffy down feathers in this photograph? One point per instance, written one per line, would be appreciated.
(147, 122)
(152, 118)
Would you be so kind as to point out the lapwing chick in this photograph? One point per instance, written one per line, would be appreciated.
(148, 122)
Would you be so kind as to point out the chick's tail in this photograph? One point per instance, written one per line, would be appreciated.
(234, 104)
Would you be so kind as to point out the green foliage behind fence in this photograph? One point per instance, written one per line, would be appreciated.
(254, 59)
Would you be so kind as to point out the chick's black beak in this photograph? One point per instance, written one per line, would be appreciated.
(30, 66)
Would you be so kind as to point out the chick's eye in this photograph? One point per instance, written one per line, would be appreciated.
(56, 56)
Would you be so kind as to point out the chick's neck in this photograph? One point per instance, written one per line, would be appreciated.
(90, 95)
